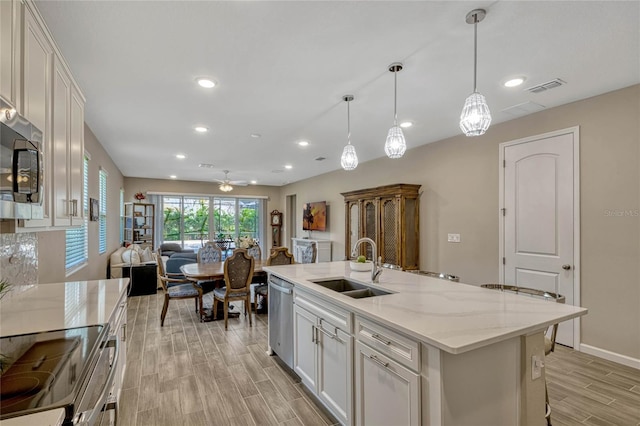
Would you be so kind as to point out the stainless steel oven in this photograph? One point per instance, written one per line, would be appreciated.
(21, 166)
(72, 369)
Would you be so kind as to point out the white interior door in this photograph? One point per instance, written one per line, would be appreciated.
(539, 217)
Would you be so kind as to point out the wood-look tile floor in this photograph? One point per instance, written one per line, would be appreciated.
(192, 373)
(586, 390)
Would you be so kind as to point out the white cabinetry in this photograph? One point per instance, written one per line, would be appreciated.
(36, 80)
(323, 353)
(387, 387)
(36, 67)
(10, 66)
(301, 245)
(68, 147)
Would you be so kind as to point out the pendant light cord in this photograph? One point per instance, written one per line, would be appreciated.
(348, 124)
(475, 50)
(395, 96)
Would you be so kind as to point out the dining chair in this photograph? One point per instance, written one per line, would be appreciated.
(210, 253)
(175, 287)
(238, 271)
(278, 256)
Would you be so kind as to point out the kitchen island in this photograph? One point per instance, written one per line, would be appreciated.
(430, 352)
(41, 308)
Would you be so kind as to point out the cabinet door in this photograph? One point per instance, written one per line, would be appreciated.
(10, 50)
(335, 381)
(304, 346)
(386, 392)
(389, 247)
(37, 62)
(63, 208)
(370, 217)
(76, 155)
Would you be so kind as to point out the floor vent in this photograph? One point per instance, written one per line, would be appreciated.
(546, 86)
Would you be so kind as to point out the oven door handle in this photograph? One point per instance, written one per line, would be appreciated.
(89, 417)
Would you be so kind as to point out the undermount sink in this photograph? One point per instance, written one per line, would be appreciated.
(350, 288)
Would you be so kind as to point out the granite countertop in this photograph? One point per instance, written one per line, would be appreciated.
(42, 307)
(451, 316)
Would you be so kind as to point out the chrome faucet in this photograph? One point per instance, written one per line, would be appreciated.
(376, 269)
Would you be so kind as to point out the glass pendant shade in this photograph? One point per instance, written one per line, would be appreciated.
(349, 160)
(475, 117)
(395, 146)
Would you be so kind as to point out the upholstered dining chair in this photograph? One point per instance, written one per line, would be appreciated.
(278, 256)
(238, 271)
(209, 253)
(175, 287)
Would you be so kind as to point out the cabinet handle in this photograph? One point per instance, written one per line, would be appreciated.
(380, 339)
(124, 332)
(313, 334)
(376, 360)
(73, 208)
(329, 335)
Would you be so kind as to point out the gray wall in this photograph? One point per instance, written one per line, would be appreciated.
(51, 244)
(459, 177)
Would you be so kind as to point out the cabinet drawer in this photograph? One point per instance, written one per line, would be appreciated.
(395, 346)
(324, 310)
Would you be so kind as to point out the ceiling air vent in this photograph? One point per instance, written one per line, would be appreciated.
(206, 165)
(320, 158)
(546, 86)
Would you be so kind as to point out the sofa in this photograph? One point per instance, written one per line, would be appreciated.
(169, 249)
(133, 254)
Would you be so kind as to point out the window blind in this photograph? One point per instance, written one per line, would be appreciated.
(76, 252)
(102, 219)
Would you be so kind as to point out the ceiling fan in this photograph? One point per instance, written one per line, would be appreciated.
(226, 185)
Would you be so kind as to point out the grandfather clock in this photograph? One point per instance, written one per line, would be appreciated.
(276, 227)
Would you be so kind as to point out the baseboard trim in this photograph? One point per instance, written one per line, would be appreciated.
(610, 356)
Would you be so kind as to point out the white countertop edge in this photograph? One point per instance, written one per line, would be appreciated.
(358, 306)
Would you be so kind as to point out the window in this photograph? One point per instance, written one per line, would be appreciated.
(193, 220)
(76, 238)
(121, 215)
(102, 218)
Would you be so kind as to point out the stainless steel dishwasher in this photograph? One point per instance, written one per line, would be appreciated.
(281, 318)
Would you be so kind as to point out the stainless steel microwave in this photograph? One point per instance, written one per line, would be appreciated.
(21, 166)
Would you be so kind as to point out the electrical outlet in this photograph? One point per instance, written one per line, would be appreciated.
(537, 364)
(453, 238)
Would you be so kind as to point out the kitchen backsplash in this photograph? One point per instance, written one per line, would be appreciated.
(19, 259)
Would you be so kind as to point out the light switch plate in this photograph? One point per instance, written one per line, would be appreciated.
(537, 364)
(453, 238)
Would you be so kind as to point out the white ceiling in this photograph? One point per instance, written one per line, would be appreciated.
(283, 67)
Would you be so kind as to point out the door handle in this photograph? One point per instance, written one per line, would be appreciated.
(566, 267)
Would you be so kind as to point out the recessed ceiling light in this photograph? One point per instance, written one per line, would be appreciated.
(303, 143)
(201, 129)
(173, 177)
(288, 166)
(256, 135)
(253, 182)
(181, 156)
(514, 82)
(206, 82)
(406, 124)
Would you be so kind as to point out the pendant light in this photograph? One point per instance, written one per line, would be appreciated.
(349, 160)
(475, 117)
(395, 146)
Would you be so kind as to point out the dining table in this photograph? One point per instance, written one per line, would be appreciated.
(197, 272)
